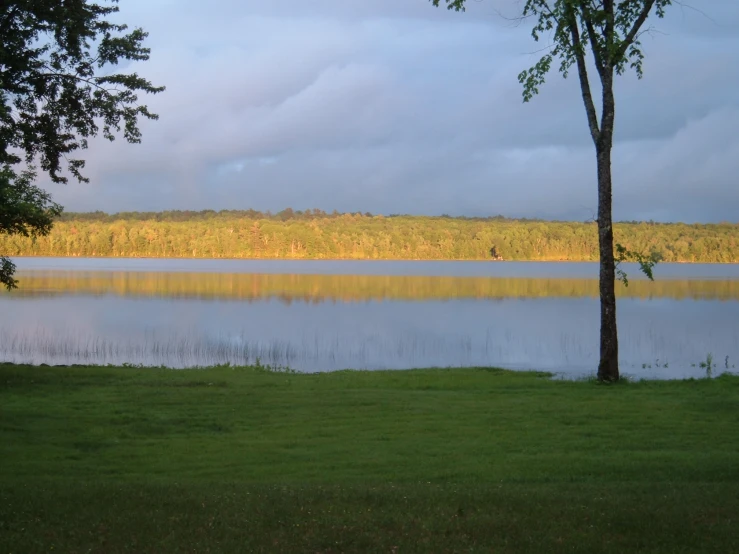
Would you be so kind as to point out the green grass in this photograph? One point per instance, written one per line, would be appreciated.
(96, 459)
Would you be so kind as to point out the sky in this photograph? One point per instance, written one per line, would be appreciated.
(394, 106)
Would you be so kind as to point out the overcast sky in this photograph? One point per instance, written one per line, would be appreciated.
(394, 106)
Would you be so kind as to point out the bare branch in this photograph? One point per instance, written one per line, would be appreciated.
(701, 12)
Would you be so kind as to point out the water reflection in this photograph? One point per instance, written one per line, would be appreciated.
(350, 288)
(325, 321)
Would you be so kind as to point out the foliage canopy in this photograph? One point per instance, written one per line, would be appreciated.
(56, 92)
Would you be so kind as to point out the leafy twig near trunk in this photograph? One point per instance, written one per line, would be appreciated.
(646, 263)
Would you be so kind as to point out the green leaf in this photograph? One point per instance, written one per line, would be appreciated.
(646, 262)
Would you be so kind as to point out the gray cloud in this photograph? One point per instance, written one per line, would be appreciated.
(394, 106)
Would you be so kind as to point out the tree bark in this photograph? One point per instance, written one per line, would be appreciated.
(608, 366)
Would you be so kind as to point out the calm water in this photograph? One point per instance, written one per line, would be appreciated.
(326, 315)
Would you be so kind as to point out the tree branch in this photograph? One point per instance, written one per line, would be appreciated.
(610, 28)
(92, 82)
(587, 16)
(631, 36)
(582, 71)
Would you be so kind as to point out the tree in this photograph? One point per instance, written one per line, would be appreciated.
(25, 210)
(609, 30)
(54, 95)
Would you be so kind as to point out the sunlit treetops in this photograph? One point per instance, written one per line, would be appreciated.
(314, 234)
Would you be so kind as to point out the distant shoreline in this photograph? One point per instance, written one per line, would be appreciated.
(406, 260)
(366, 237)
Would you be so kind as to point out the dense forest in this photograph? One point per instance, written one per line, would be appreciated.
(314, 234)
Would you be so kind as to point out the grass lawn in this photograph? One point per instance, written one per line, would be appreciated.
(462, 460)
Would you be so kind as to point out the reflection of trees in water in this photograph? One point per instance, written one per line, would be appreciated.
(352, 288)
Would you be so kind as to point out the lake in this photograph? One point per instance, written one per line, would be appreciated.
(329, 315)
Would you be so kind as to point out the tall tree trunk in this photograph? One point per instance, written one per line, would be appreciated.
(608, 366)
(602, 135)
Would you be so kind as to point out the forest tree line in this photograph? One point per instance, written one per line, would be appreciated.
(317, 235)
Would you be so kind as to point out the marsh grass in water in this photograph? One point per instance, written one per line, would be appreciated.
(197, 349)
(148, 350)
(657, 364)
(327, 351)
(709, 365)
(244, 459)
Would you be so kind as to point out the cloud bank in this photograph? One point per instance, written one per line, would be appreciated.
(397, 107)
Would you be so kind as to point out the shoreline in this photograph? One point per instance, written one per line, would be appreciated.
(549, 375)
(405, 260)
